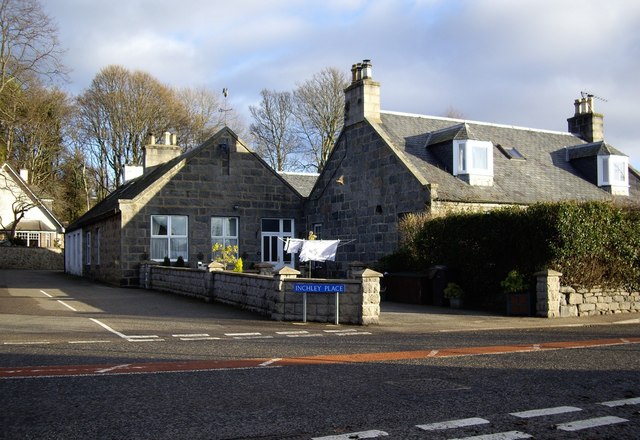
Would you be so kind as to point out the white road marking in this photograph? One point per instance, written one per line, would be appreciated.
(242, 334)
(253, 337)
(106, 327)
(27, 343)
(351, 330)
(293, 332)
(614, 403)
(545, 412)
(201, 338)
(432, 353)
(310, 335)
(267, 363)
(460, 423)
(511, 435)
(116, 367)
(88, 342)
(45, 293)
(191, 335)
(141, 336)
(590, 423)
(354, 435)
(353, 334)
(146, 340)
(67, 305)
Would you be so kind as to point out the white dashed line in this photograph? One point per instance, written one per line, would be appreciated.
(27, 343)
(354, 435)
(191, 335)
(614, 403)
(351, 330)
(511, 435)
(460, 423)
(242, 334)
(590, 423)
(88, 342)
(545, 412)
(293, 332)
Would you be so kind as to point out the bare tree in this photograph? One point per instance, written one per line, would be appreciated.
(273, 129)
(29, 53)
(319, 110)
(115, 115)
(453, 113)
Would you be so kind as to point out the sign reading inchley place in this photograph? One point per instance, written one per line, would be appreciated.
(318, 288)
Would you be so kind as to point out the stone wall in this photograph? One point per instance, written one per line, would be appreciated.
(555, 300)
(31, 258)
(273, 295)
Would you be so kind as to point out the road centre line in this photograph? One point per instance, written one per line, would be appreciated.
(459, 423)
(331, 359)
(545, 412)
(579, 425)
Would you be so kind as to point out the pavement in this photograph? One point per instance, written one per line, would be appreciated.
(399, 317)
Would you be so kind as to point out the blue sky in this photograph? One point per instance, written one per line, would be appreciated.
(516, 62)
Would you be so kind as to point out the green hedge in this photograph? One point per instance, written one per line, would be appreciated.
(592, 243)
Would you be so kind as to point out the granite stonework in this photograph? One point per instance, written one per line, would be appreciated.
(557, 301)
(272, 295)
(31, 258)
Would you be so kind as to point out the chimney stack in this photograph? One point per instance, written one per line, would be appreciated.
(157, 154)
(362, 97)
(586, 123)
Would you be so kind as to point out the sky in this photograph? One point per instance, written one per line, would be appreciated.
(513, 62)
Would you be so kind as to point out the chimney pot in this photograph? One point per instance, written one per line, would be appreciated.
(167, 138)
(366, 69)
(174, 139)
(359, 71)
(152, 139)
(354, 74)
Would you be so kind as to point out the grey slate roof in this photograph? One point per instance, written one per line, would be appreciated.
(302, 182)
(545, 175)
(110, 205)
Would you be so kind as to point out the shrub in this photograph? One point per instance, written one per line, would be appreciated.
(592, 243)
(166, 261)
(238, 266)
(179, 261)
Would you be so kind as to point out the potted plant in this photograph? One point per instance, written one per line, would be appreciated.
(455, 294)
(517, 291)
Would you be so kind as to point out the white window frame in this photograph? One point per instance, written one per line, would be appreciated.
(87, 247)
(227, 238)
(607, 170)
(170, 237)
(278, 239)
(463, 157)
(97, 240)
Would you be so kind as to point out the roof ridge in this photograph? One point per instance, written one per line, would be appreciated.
(469, 121)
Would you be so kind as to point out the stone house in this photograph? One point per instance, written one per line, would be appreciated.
(387, 164)
(27, 210)
(182, 203)
(383, 166)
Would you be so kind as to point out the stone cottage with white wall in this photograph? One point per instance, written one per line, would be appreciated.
(181, 204)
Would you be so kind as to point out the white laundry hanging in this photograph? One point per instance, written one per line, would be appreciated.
(293, 245)
(319, 250)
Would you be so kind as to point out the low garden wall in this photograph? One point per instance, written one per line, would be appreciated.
(555, 300)
(278, 295)
(31, 258)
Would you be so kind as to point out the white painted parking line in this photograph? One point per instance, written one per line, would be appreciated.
(357, 435)
(242, 334)
(590, 423)
(511, 435)
(191, 335)
(310, 335)
(293, 332)
(459, 423)
(614, 403)
(545, 412)
(353, 334)
(146, 340)
(253, 337)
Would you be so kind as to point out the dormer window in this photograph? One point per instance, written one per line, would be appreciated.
(613, 173)
(473, 161)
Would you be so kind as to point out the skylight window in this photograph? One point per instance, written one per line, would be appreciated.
(511, 153)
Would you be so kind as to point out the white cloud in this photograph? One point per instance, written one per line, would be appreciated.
(514, 62)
